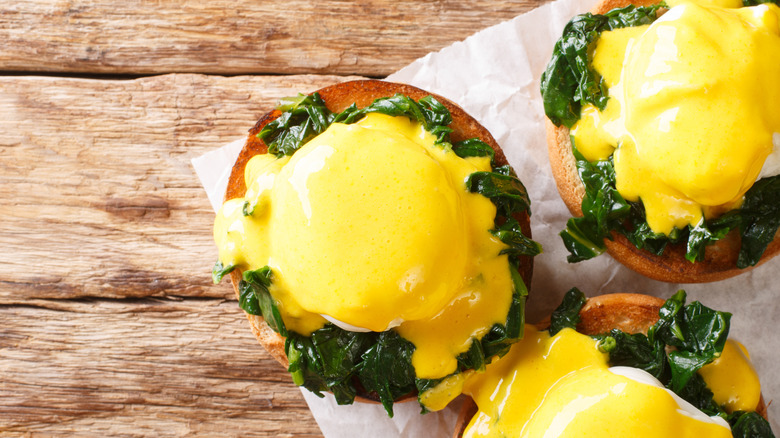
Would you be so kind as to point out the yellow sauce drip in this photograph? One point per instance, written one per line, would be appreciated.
(732, 379)
(721, 3)
(562, 386)
(370, 224)
(691, 111)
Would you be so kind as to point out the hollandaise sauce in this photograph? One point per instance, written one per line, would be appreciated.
(692, 110)
(562, 386)
(370, 226)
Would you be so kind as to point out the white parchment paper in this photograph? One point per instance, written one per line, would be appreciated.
(494, 75)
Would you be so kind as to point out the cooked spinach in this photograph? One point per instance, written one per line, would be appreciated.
(634, 350)
(569, 81)
(304, 117)
(685, 338)
(220, 271)
(758, 218)
(696, 334)
(510, 197)
(518, 243)
(255, 298)
(699, 395)
(567, 314)
(336, 360)
(505, 190)
(749, 425)
(604, 210)
(474, 147)
(328, 360)
(387, 370)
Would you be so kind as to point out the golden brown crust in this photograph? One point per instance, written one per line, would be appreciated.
(337, 98)
(605, 6)
(720, 259)
(467, 411)
(564, 167)
(631, 313)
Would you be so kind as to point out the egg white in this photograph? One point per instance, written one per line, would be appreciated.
(772, 163)
(685, 408)
(353, 328)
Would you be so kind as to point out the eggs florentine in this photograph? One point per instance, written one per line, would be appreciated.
(370, 225)
(562, 386)
(691, 117)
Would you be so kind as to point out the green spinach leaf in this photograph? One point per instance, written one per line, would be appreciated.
(635, 350)
(474, 147)
(699, 395)
(255, 299)
(603, 209)
(749, 425)
(567, 314)
(328, 360)
(302, 119)
(220, 271)
(569, 81)
(518, 243)
(506, 191)
(697, 335)
(387, 368)
(760, 218)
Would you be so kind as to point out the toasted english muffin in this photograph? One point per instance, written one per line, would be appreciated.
(337, 98)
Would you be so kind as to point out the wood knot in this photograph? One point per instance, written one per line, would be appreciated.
(138, 208)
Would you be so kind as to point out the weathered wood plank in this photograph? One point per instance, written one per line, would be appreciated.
(151, 367)
(370, 38)
(97, 191)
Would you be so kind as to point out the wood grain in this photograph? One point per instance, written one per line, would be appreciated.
(149, 367)
(367, 37)
(98, 195)
(99, 200)
(110, 323)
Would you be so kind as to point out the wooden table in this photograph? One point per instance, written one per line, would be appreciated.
(109, 323)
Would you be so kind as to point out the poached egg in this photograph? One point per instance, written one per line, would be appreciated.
(370, 226)
(562, 386)
(691, 119)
